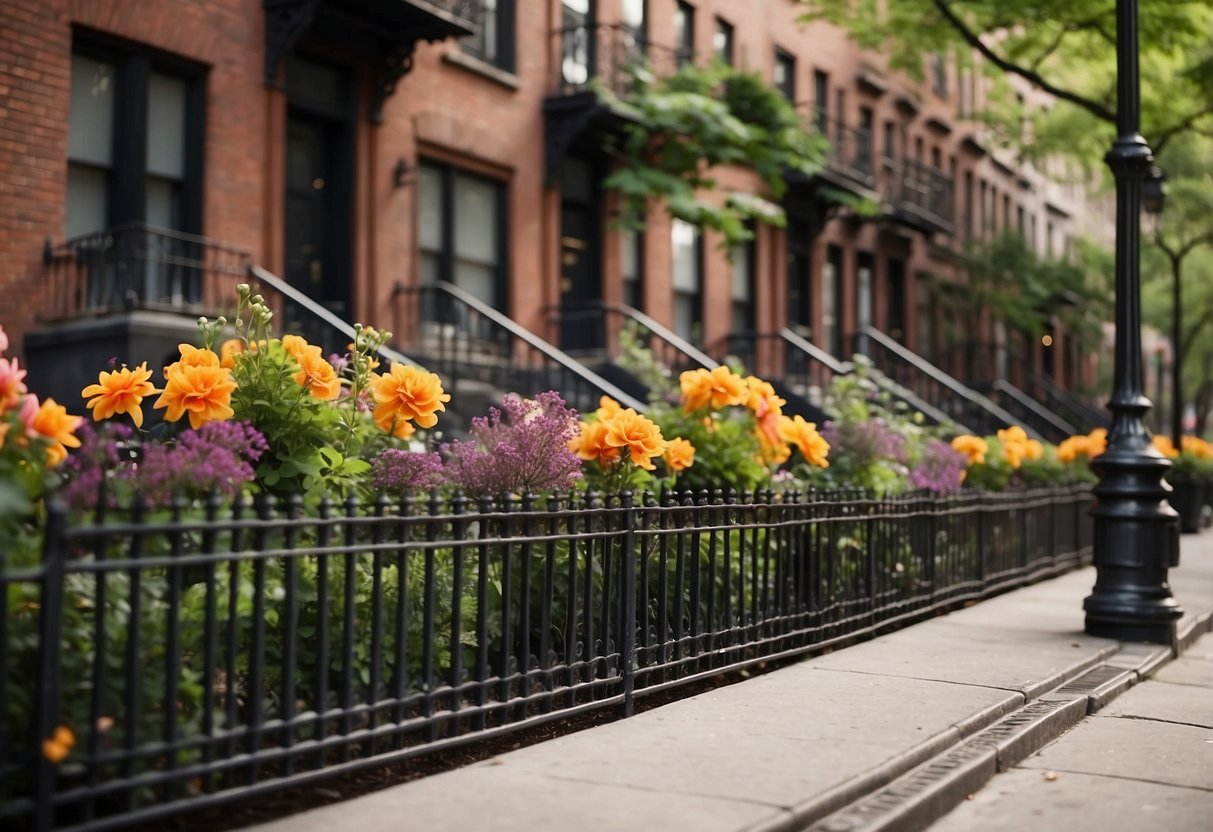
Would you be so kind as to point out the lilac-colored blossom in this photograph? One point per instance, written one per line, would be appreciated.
(941, 469)
(522, 448)
(869, 441)
(399, 470)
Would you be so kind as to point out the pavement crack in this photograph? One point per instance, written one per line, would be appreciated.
(921, 679)
(1155, 719)
(639, 788)
(1146, 780)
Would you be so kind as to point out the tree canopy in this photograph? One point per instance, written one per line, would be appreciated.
(1065, 47)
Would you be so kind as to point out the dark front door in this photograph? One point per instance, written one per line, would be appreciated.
(895, 317)
(581, 323)
(318, 228)
(800, 276)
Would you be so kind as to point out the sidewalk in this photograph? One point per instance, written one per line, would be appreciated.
(1145, 762)
(900, 727)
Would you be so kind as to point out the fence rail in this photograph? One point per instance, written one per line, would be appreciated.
(206, 653)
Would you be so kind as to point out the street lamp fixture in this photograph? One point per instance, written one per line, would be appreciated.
(1136, 530)
(1154, 192)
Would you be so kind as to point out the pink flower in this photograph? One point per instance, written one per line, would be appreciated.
(3, 340)
(28, 413)
(11, 385)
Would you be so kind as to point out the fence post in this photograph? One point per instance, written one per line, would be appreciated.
(627, 579)
(50, 624)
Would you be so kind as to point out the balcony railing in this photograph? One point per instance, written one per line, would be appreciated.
(851, 152)
(135, 266)
(608, 54)
(924, 192)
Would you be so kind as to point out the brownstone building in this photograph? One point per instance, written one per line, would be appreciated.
(152, 150)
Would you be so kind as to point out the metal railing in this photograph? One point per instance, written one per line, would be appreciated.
(138, 267)
(1030, 412)
(608, 55)
(925, 191)
(302, 315)
(469, 343)
(209, 652)
(804, 369)
(599, 324)
(852, 153)
(1075, 410)
(930, 384)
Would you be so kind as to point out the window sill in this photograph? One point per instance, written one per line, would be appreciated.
(482, 68)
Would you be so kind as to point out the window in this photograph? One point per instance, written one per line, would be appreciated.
(821, 101)
(461, 231)
(939, 65)
(743, 288)
(722, 41)
(865, 265)
(784, 77)
(575, 52)
(687, 245)
(632, 268)
(134, 143)
(970, 213)
(684, 32)
(1006, 211)
(840, 115)
(831, 300)
(494, 42)
(634, 16)
(863, 140)
(890, 143)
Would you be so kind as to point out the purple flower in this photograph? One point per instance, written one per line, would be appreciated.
(104, 450)
(523, 449)
(397, 470)
(866, 442)
(940, 470)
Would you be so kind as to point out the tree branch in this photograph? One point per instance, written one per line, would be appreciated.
(1036, 79)
(1186, 123)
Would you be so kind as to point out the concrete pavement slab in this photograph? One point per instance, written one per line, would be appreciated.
(1133, 749)
(1023, 799)
(504, 798)
(1186, 704)
(1185, 671)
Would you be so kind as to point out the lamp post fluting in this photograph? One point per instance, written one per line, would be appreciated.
(1136, 530)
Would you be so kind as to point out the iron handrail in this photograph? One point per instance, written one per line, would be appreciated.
(542, 347)
(939, 377)
(1034, 407)
(1093, 415)
(653, 327)
(326, 316)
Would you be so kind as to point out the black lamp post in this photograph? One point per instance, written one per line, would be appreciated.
(1136, 531)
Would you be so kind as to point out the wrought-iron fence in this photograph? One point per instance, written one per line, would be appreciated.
(135, 266)
(609, 54)
(207, 652)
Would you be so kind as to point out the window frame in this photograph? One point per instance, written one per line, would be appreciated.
(727, 31)
(697, 295)
(686, 48)
(505, 55)
(448, 172)
(126, 180)
(787, 60)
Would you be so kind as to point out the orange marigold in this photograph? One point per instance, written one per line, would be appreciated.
(56, 749)
(192, 356)
(1098, 440)
(1165, 446)
(316, 374)
(716, 388)
(679, 454)
(406, 393)
(1196, 446)
(607, 407)
(228, 351)
(295, 345)
(53, 422)
(973, 447)
(202, 391)
(638, 435)
(590, 443)
(812, 445)
(120, 391)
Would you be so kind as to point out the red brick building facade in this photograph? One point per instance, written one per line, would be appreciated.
(353, 147)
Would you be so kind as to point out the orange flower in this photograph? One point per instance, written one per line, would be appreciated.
(590, 443)
(59, 745)
(316, 374)
(11, 385)
(228, 352)
(1074, 447)
(716, 388)
(679, 454)
(1098, 439)
(295, 346)
(1165, 446)
(192, 356)
(607, 407)
(396, 426)
(773, 452)
(407, 393)
(638, 434)
(53, 422)
(120, 391)
(812, 445)
(1034, 449)
(1196, 446)
(973, 447)
(203, 391)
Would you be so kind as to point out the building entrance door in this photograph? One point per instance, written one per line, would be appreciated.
(581, 323)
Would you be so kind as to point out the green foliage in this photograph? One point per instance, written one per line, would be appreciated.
(1065, 47)
(698, 120)
(727, 452)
